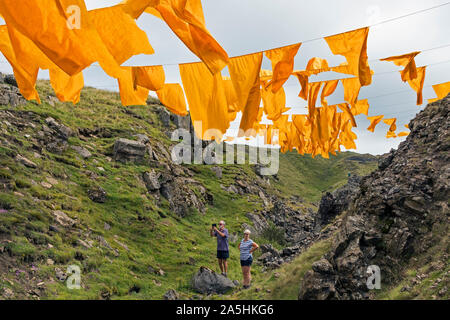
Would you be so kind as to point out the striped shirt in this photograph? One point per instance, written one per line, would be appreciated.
(246, 246)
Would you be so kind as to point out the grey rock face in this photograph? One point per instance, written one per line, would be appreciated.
(10, 95)
(394, 213)
(333, 204)
(207, 281)
(128, 150)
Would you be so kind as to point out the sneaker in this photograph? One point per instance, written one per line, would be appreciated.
(225, 274)
(246, 287)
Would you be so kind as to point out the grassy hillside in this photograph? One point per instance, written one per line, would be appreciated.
(133, 246)
(314, 176)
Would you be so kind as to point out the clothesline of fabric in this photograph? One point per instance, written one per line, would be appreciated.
(372, 60)
(295, 84)
(378, 73)
(322, 37)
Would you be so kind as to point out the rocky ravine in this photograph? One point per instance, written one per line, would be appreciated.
(400, 211)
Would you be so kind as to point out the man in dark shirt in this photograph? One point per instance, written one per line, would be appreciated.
(222, 246)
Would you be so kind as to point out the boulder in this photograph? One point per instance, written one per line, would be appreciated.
(207, 281)
(83, 152)
(128, 150)
(63, 131)
(151, 181)
(97, 194)
(63, 219)
(25, 161)
(171, 295)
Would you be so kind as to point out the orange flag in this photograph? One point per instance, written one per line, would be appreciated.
(150, 77)
(172, 97)
(353, 46)
(207, 99)
(361, 107)
(352, 86)
(187, 21)
(128, 94)
(26, 80)
(62, 30)
(374, 120)
(441, 90)
(112, 23)
(303, 79)
(407, 61)
(67, 88)
(282, 64)
(245, 76)
(328, 89)
(417, 84)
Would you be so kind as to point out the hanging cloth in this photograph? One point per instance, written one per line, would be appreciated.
(150, 77)
(68, 40)
(282, 64)
(407, 61)
(67, 88)
(328, 89)
(207, 99)
(353, 46)
(26, 79)
(352, 86)
(374, 120)
(303, 79)
(245, 76)
(441, 90)
(344, 107)
(128, 95)
(172, 97)
(317, 65)
(313, 92)
(417, 84)
(112, 23)
(187, 21)
(274, 103)
(361, 107)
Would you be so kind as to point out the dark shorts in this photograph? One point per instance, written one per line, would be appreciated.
(223, 254)
(247, 263)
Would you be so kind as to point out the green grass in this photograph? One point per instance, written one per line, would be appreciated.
(284, 283)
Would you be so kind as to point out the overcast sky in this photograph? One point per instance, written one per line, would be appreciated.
(246, 26)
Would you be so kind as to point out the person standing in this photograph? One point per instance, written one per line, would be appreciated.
(247, 247)
(222, 246)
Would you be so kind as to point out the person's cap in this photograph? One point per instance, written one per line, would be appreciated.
(247, 231)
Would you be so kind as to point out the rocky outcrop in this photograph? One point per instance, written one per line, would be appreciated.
(129, 150)
(335, 203)
(395, 214)
(207, 281)
(10, 95)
